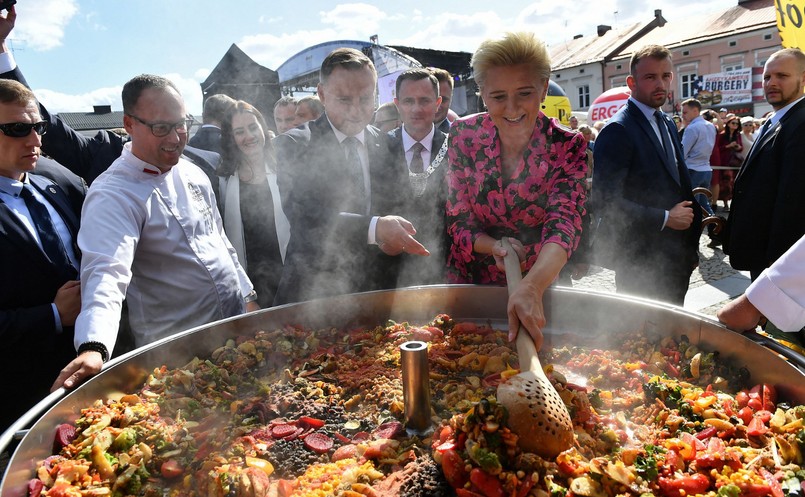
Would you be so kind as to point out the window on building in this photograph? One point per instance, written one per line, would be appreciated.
(686, 83)
(732, 62)
(617, 81)
(584, 96)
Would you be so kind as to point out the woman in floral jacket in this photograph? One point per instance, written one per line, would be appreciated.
(514, 173)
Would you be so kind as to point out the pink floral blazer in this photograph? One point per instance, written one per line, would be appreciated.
(542, 203)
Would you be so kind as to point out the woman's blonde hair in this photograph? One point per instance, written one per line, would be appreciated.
(512, 49)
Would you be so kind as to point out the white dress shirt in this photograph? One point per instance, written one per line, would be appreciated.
(779, 292)
(427, 142)
(156, 239)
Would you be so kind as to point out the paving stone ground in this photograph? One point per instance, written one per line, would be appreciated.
(714, 266)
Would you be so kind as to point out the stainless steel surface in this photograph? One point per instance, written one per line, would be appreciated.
(416, 385)
(574, 316)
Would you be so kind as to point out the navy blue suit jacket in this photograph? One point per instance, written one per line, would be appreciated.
(633, 186)
(31, 346)
(207, 138)
(328, 253)
(767, 215)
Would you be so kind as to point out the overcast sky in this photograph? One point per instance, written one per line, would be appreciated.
(78, 53)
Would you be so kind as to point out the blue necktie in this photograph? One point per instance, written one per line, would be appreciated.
(666, 145)
(51, 243)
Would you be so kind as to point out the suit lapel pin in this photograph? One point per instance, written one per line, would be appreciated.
(52, 190)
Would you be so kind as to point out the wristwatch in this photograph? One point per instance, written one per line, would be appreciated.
(251, 297)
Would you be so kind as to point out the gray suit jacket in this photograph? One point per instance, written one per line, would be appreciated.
(328, 253)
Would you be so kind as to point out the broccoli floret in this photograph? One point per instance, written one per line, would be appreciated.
(729, 491)
(487, 460)
(124, 441)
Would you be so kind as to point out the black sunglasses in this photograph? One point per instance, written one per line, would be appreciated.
(21, 130)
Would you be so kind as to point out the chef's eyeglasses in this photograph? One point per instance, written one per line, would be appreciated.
(21, 130)
(162, 129)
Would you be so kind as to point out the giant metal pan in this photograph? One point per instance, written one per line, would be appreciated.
(573, 315)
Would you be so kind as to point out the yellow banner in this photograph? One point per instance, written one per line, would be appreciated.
(791, 23)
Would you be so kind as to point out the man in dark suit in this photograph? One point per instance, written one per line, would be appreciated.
(648, 231)
(421, 153)
(340, 190)
(445, 79)
(768, 211)
(39, 215)
(208, 137)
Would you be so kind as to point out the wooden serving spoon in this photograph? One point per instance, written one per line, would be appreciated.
(536, 411)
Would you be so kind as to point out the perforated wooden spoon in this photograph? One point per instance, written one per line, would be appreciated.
(536, 411)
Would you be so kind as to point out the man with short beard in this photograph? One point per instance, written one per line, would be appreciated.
(648, 230)
(768, 210)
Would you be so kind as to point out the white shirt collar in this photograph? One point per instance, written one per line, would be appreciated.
(775, 118)
(645, 109)
(408, 141)
(138, 164)
(341, 136)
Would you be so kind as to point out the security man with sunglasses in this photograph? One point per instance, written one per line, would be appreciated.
(151, 233)
(40, 297)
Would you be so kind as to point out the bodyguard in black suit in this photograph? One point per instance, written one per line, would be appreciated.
(39, 216)
(340, 191)
(648, 231)
(208, 137)
(768, 204)
(420, 151)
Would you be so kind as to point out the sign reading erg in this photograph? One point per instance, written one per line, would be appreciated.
(608, 103)
(725, 88)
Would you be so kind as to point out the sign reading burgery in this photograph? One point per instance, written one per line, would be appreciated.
(725, 88)
(790, 20)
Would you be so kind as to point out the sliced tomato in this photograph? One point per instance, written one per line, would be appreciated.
(449, 445)
(774, 485)
(464, 328)
(308, 422)
(755, 403)
(489, 485)
(756, 427)
(742, 398)
(706, 433)
(746, 413)
(453, 469)
(525, 487)
(171, 469)
(446, 434)
(286, 487)
(345, 452)
(689, 484)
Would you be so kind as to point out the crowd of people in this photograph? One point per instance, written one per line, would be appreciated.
(175, 232)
